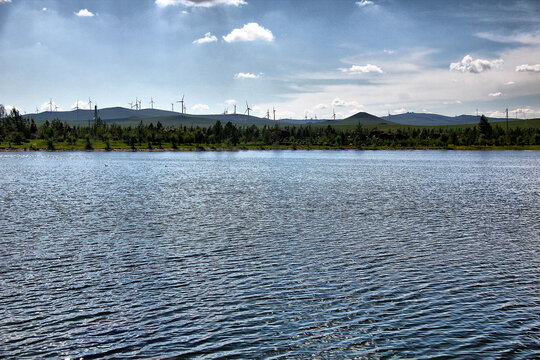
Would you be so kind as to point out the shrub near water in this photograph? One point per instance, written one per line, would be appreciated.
(50, 145)
(88, 145)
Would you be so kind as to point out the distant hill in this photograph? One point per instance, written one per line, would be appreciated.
(363, 118)
(424, 119)
(114, 113)
(126, 117)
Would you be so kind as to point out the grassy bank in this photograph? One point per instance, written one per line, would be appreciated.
(82, 145)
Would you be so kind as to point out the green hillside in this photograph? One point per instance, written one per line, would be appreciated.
(363, 118)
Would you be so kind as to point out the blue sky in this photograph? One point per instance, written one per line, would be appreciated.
(305, 58)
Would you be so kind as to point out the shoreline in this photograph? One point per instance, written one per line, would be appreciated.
(270, 148)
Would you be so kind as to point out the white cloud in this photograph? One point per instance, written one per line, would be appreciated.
(364, 3)
(200, 107)
(200, 3)
(82, 105)
(399, 111)
(337, 102)
(510, 83)
(520, 113)
(44, 9)
(8, 108)
(429, 87)
(528, 68)
(48, 107)
(524, 38)
(208, 38)
(4, 1)
(84, 13)
(250, 32)
(230, 102)
(495, 94)
(321, 107)
(468, 64)
(242, 75)
(359, 69)
(388, 51)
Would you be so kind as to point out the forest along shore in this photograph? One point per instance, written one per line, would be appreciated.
(20, 134)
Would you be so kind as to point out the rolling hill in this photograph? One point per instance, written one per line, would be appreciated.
(131, 117)
(425, 119)
(363, 118)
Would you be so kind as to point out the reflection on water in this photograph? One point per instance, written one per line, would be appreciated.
(411, 254)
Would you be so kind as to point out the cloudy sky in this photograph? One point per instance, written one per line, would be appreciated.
(304, 57)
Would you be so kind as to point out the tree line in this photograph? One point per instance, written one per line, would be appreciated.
(16, 130)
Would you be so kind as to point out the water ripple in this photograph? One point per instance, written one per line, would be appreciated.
(272, 255)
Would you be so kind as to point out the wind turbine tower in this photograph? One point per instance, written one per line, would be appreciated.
(274, 111)
(50, 105)
(181, 104)
(152, 103)
(95, 114)
(77, 110)
(130, 105)
(172, 106)
(248, 109)
(507, 126)
(268, 114)
(89, 104)
(234, 109)
(334, 113)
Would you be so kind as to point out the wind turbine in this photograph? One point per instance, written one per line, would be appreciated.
(152, 103)
(182, 104)
(37, 110)
(172, 107)
(136, 103)
(334, 113)
(50, 105)
(234, 109)
(130, 105)
(274, 111)
(268, 114)
(248, 109)
(89, 104)
(77, 110)
(140, 104)
(56, 108)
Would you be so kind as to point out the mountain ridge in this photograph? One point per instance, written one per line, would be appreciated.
(124, 116)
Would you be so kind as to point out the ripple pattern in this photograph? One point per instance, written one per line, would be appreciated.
(275, 255)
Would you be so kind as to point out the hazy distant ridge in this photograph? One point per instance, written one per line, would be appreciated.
(425, 119)
(122, 115)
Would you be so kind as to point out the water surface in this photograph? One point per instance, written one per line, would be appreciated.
(285, 254)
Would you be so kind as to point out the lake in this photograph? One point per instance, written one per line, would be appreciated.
(270, 254)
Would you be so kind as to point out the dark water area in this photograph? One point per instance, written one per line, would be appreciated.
(286, 254)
